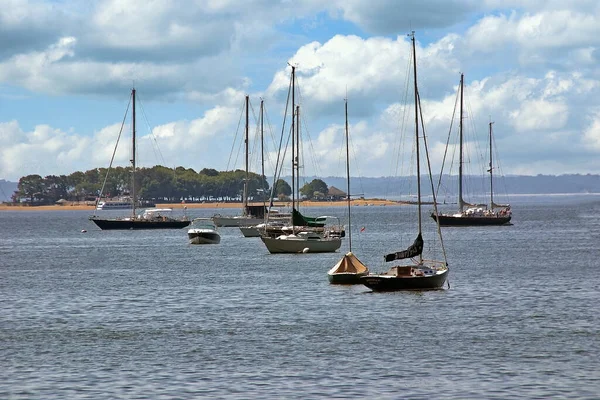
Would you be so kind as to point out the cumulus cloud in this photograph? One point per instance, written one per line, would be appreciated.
(530, 67)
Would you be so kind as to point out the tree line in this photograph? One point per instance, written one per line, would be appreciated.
(158, 184)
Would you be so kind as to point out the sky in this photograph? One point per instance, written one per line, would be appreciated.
(67, 69)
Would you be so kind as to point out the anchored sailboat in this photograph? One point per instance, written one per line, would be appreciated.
(417, 272)
(349, 269)
(251, 215)
(157, 218)
(474, 214)
(307, 235)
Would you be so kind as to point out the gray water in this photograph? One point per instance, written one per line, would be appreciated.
(143, 314)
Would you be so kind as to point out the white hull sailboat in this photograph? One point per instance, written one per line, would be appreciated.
(302, 242)
(251, 214)
(302, 239)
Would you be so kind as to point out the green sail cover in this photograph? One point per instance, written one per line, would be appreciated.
(300, 220)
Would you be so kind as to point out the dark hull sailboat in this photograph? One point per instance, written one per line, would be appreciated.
(349, 269)
(414, 279)
(465, 220)
(150, 219)
(424, 274)
(415, 272)
(471, 214)
(114, 224)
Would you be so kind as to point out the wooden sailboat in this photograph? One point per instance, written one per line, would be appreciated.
(416, 272)
(349, 269)
(157, 218)
(302, 238)
(473, 214)
(251, 215)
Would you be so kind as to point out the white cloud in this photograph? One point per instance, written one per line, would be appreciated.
(530, 66)
(591, 134)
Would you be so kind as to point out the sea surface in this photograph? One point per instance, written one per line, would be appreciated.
(144, 314)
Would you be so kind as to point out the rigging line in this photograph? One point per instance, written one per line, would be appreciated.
(115, 150)
(152, 136)
(396, 161)
(277, 163)
(435, 209)
(254, 153)
(226, 186)
(356, 165)
(270, 129)
(478, 168)
(303, 128)
(447, 143)
(499, 166)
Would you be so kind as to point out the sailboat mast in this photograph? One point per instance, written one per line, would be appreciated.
(491, 172)
(245, 201)
(297, 188)
(461, 202)
(262, 149)
(348, 178)
(417, 131)
(293, 139)
(133, 194)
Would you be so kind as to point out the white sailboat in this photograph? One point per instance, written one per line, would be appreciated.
(302, 239)
(251, 215)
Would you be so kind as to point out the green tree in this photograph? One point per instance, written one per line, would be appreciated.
(31, 187)
(209, 172)
(282, 188)
(315, 189)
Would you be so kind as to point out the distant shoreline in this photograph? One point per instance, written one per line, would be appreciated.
(78, 206)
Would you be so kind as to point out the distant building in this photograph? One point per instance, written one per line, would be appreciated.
(335, 194)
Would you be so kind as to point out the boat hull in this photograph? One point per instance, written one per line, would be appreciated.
(346, 278)
(250, 231)
(277, 245)
(230, 222)
(450, 220)
(204, 237)
(125, 224)
(388, 283)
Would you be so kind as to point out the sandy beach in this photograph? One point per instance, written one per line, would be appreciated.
(83, 206)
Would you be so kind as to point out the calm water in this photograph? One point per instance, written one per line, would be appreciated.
(145, 315)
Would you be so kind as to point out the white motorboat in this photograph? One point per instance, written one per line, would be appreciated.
(203, 231)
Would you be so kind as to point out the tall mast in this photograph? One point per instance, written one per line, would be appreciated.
(245, 201)
(491, 172)
(262, 149)
(293, 137)
(133, 194)
(348, 178)
(417, 131)
(297, 188)
(461, 202)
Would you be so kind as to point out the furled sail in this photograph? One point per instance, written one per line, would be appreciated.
(465, 204)
(302, 220)
(414, 250)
